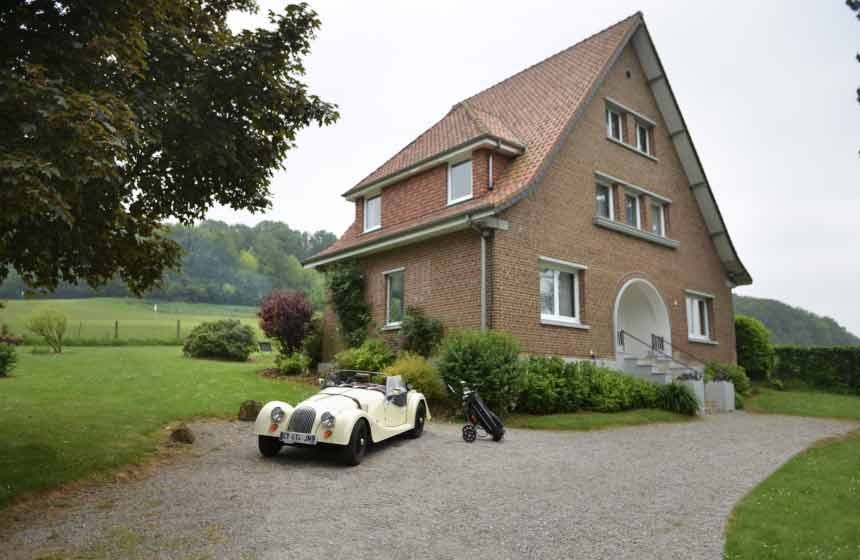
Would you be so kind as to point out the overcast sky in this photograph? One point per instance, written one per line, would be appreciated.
(767, 90)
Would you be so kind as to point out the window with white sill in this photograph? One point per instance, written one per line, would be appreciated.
(459, 181)
(698, 319)
(613, 124)
(394, 297)
(631, 210)
(658, 219)
(559, 294)
(643, 138)
(604, 201)
(372, 213)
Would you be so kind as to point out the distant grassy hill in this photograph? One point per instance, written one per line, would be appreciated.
(793, 325)
(95, 318)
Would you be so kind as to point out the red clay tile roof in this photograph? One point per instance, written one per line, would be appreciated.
(531, 108)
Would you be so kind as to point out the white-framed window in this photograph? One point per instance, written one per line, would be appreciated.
(372, 213)
(613, 124)
(698, 317)
(658, 219)
(631, 209)
(559, 291)
(643, 138)
(604, 201)
(459, 181)
(394, 297)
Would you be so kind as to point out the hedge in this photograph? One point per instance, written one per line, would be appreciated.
(834, 369)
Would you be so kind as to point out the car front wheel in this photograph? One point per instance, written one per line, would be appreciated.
(354, 452)
(420, 418)
(269, 446)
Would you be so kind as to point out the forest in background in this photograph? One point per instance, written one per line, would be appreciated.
(793, 325)
(223, 263)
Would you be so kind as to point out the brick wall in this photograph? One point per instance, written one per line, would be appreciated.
(555, 220)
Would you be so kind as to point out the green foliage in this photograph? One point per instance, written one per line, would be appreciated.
(296, 363)
(830, 369)
(116, 117)
(551, 386)
(485, 361)
(418, 372)
(372, 355)
(49, 324)
(312, 345)
(739, 401)
(8, 359)
(346, 284)
(678, 398)
(728, 372)
(421, 334)
(805, 403)
(227, 339)
(755, 351)
(793, 325)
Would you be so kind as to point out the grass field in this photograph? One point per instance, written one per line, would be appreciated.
(585, 421)
(91, 409)
(95, 318)
(809, 508)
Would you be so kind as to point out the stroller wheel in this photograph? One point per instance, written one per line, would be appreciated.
(469, 433)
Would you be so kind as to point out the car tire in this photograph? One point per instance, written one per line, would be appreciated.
(269, 446)
(354, 451)
(420, 418)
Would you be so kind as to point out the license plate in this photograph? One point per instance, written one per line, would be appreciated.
(296, 437)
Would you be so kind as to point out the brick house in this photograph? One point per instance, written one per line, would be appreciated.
(566, 205)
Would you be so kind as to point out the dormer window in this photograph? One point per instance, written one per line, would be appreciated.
(643, 138)
(372, 213)
(613, 124)
(459, 181)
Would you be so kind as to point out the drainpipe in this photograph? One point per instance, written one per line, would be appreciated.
(484, 280)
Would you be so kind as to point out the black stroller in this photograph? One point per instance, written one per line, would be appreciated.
(480, 420)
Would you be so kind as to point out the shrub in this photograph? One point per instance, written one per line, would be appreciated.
(285, 317)
(755, 350)
(345, 284)
(8, 359)
(677, 398)
(373, 355)
(295, 363)
(544, 381)
(729, 372)
(227, 339)
(418, 372)
(739, 402)
(312, 345)
(487, 362)
(421, 334)
(777, 384)
(830, 369)
(49, 324)
(6, 337)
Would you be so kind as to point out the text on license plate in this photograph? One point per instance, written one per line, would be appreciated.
(296, 437)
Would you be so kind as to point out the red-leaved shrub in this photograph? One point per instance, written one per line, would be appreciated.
(285, 317)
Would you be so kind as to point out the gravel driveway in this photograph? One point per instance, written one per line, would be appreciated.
(659, 491)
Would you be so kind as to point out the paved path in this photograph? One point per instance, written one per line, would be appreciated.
(659, 491)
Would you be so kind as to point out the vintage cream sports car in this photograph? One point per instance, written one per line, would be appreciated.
(352, 411)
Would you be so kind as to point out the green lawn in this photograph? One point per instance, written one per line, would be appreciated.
(584, 421)
(809, 508)
(91, 409)
(805, 403)
(95, 318)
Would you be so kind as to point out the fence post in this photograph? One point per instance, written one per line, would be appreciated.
(116, 330)
(177, 329)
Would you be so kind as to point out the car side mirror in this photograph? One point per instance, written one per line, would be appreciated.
(408, 387)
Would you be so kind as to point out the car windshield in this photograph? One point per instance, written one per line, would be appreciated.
(355, 379)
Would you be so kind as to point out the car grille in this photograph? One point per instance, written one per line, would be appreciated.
(302, 420)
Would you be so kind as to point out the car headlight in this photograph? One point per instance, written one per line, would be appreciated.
(278, 415)
(327, 420)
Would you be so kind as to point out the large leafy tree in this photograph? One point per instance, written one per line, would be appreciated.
(117, 115)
